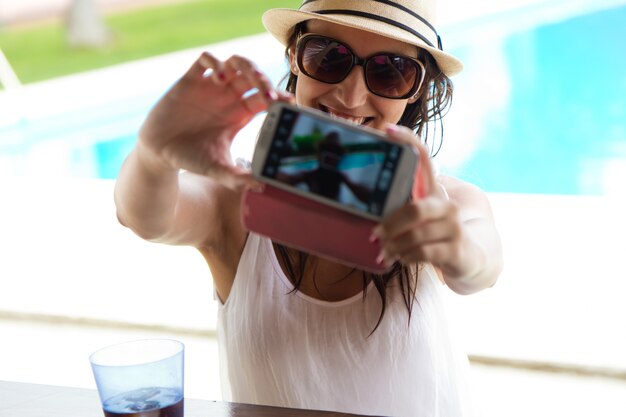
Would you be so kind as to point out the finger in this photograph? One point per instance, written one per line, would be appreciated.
(232, 177)
(205, 61)
(255, 103)
(241, 85)
(265, 86)
(234, 66)
(398, 222)
(414, 255)
(402, 135)
(248, 180)
(286, 97)
(436, 253)
(245, 76)
(410, 253)
(411, 216)
(426, 172)
(425, 179)
(425, 234)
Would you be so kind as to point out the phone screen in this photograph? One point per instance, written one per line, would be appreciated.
(333, 161)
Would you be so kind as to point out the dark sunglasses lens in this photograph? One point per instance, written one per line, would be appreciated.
(325, 60)
(391, 76)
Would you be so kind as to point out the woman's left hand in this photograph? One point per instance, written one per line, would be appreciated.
(439, 229)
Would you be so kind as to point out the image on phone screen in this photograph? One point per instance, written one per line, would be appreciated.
(333, 161)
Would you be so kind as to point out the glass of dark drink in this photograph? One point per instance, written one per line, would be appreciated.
(141, 378)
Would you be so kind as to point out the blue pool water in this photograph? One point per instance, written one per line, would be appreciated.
(561, 128)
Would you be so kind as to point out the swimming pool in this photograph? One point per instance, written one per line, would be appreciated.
(539, 110)
(557, 110)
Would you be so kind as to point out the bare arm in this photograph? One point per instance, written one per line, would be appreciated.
(179, 185)
(455, 234)
(480, 240)
(164, 205)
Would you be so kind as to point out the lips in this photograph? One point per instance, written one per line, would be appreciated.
(336, 114)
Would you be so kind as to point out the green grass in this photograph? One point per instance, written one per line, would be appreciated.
(41, 52)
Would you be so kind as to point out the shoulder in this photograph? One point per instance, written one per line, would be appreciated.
(213, 212)
(468, 197)
(454, 185)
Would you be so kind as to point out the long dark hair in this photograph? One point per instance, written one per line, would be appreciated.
(423, 117)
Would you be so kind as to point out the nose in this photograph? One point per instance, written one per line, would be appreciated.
(352, 91)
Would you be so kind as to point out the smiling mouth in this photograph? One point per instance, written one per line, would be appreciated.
(360, 121)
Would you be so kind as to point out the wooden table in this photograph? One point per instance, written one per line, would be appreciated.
(32, 400)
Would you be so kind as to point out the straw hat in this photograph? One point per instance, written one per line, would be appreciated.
(410, 21)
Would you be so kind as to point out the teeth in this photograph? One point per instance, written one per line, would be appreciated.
(355, 120)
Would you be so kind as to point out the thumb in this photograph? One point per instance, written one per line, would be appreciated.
(425, 182)
(425, 179)
(234, 177)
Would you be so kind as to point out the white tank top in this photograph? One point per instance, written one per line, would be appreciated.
(286, 349)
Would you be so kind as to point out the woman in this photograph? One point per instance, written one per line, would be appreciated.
(297, 330)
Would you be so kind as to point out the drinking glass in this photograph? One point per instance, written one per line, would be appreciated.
(141, 378)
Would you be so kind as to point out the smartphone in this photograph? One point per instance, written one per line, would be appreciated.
(334, 162)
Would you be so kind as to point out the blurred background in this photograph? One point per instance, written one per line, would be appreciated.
(538, 121)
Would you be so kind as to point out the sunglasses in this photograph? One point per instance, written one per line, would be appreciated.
(386, 75)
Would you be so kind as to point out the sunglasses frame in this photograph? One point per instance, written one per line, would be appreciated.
(357, 60)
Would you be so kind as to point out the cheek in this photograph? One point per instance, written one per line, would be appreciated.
(391, 110)
(302, 91)
(396, 113)
(308, 90)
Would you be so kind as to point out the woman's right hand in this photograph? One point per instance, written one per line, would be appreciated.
(193, 124)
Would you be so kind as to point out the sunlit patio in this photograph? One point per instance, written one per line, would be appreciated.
(548, 339)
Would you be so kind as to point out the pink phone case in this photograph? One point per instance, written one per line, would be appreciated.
(314, 227)
(311, 226)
